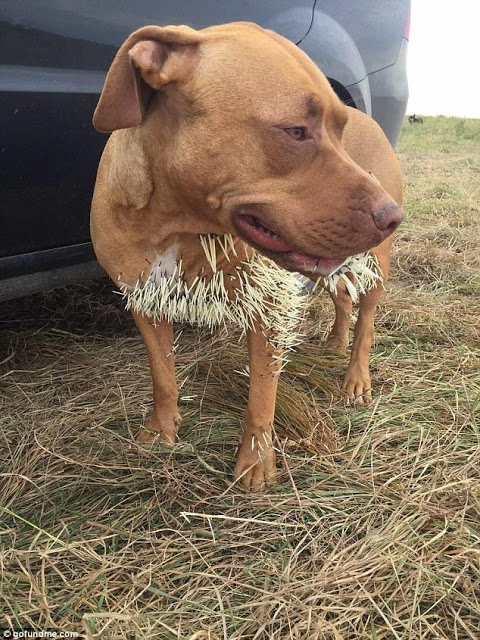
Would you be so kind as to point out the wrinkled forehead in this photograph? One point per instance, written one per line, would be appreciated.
(252, 67)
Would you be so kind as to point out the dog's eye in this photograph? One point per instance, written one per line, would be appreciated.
(297, 133)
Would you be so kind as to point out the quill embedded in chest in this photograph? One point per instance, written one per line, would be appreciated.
(249, 291)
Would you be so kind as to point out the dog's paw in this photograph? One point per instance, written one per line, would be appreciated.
(256, 466)
(161, 430)
(336, 343)
(358, 386)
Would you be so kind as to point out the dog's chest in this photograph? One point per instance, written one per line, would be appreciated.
(225, 282)
(165, 264)
(220, 280)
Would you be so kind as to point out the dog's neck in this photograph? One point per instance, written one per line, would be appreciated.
(146, 197)
(200, 255)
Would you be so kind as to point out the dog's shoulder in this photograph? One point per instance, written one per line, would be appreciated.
(125, 170)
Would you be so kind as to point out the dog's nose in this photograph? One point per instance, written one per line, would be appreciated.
(388, 218)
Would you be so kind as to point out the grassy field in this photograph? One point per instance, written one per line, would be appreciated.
(377, 539)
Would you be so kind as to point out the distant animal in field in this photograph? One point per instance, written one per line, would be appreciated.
(415, 118)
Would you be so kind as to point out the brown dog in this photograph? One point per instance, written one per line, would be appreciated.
(233, 130)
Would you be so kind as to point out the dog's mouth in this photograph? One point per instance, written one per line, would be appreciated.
(254, 231)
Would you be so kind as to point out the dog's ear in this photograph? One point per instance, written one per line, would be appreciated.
(150, 58)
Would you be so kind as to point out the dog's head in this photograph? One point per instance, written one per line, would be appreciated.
(245, 125)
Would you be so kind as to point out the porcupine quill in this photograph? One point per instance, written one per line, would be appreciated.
(264, 294)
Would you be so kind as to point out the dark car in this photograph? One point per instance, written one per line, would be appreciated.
(53, 60)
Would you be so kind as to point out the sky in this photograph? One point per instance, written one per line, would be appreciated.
(444, 58)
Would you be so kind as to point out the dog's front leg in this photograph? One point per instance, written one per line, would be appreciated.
(255, 465)
(357, 383)
(165, 419)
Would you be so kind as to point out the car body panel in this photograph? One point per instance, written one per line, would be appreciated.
(389, 87)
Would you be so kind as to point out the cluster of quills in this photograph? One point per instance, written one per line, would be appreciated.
(366, 274)
(260, 293)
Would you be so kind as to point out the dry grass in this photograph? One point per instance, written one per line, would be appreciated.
(379, 540)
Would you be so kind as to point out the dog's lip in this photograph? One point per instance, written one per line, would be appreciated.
(308, 265)
(252, 229)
